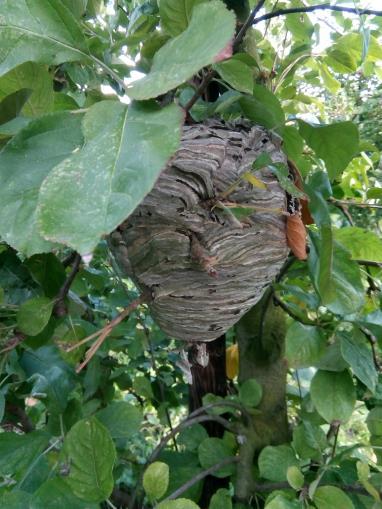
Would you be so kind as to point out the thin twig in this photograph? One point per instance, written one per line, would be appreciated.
(200, 476)
(105, 331)
(186, 424)
(291, 313)
(373, 343)
(272, 486)
(369, 263)
(312, 8)
(18, 338)
(60, 308)
(354, 203)
(248, 23)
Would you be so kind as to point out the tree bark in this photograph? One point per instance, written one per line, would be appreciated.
(261, 339)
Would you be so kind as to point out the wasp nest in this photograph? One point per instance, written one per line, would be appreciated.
(204, 264)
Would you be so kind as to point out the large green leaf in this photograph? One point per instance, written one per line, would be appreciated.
(221, 500)
(327, 497)
(175, 15)
(362, 244)
(305, 345)
(263, 107)
(155, 480)
(237, 73)
(91, 455)
(180, 503)
(336, 144)
(210, 30)
(34, 314)
(359, 356)
(333, 395)
(15, 500)
(17, 452)
(24, 163)
(122, 419)
(12, 104)
(35, 77)
(274, 462)
(336, 277)
(212, 451)
(39, 31)
(309, 441)
(91, 192)
(53, 378)
(54, 494)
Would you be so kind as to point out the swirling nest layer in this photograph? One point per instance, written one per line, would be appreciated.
(203, 266)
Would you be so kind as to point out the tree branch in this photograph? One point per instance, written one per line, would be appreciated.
(373, 343)
(248, 23)
(312, 8)
(350, 488)
(354, 203)
(60, 308)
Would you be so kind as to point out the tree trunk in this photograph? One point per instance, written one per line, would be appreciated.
(261, 339)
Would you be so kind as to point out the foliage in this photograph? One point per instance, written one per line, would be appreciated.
(84, 138)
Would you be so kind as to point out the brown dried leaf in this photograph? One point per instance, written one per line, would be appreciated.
(296, 236)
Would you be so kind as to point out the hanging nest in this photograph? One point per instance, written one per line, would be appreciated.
(203, 265)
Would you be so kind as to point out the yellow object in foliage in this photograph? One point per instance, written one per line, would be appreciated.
(232, 361)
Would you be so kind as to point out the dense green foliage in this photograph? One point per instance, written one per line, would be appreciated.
(83, 140)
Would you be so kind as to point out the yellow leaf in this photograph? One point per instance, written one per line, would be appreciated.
(253, 180)
(232, 361)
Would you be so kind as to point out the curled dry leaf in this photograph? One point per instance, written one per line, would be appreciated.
(296, 236)
(304, 202)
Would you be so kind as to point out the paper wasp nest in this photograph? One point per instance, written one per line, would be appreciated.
(203, 265)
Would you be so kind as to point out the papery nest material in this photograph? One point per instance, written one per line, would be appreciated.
(186, 245)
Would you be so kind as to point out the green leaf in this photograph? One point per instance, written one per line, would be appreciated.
(35, 77)
(17, 452)
(39, 31)
(91, 455)
(328, 497)
(293, 144)
(180, 503)
(274, 462)
(122, 419)
(282, 173)
(359, 356)
(309, 441)
(221, 500)
(250, 392)
(191, 437)
(51, 376)
(337, 279)
(295, 477)
(95, 189)
(237, 74)
(305, 345)
(374, 421)
(362, 244)
(328, 79)
(336, 144)
(212, 451)
(142, 386)
(280, 502)
(34, 314)
(333, 395)
(263, 108)
(30, 155)
(15, 500)
(300, 26)
(48, 271)
(55, 494)
(176, 14)
(12, 104)
(155, 480)
(210, 30)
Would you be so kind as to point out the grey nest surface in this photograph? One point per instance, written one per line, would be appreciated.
(204, 266)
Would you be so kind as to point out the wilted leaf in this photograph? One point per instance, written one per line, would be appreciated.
(232, 361)
(296, 236)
